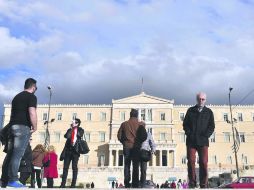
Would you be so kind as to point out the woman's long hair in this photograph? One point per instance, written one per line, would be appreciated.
(39, 148)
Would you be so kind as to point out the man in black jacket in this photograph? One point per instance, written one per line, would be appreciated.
(71, 151)
(198, 125)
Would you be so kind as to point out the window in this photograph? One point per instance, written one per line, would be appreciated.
(162, 136)
(87, 136)
(214, 159)
(229, 160)
(89, 116)
(42, 136)
(150, 130)
(85, 160)
(102, 136)
(184, 159)
(181, 116)
(244, 159)
(143, 114)
(102, 160)
(226, 137)
(45, 117)
(240, 117)
(149, 116)
(59, 116)
(212, 138)
(225, 116)
(242, 137)
(182, 137)
(146, 114)
(122, 116)
(103, 116)
(74, 115)
(163, 116)
(57, 136)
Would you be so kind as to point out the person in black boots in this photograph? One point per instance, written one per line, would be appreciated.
(71, 152)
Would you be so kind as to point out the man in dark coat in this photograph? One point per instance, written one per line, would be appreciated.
(198, 125)
(71, 151)
(131, 134)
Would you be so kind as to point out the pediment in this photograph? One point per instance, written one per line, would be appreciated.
(142, 99)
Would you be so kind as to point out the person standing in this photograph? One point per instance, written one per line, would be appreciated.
(198, 125)
(71, 152)
(23, 122)
(147, 145)
(50, 170)
(38, 154)
(131, 134)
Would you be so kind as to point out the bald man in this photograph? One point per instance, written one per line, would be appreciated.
(198, 125)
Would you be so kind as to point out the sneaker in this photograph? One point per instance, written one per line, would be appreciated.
(16, 184)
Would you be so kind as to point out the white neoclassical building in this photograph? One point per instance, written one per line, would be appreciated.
(163, 119)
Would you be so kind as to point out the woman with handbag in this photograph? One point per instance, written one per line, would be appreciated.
(50, 166)
(38, 155)
(71, 152)
(148, 148)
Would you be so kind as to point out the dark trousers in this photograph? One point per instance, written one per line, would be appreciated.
(131, 156)
(143, 167)
(24, 176)
(4, 176)
(36, 172)
(70, 156)
(203, 160)
(50, 182)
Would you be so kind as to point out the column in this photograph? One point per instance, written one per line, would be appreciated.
(110, 158)
(161, 157)
(117, 158)
(154, 160)
(146, 116)
(174, 159)
(168, 160)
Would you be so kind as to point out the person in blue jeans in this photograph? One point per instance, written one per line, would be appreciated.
(23, 122)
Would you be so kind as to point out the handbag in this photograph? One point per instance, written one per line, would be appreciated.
(47, 163)
(83, 147)
(145, 155)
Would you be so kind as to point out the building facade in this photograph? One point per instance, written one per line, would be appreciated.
(163, 119)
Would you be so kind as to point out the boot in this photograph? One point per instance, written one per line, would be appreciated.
(74, 178)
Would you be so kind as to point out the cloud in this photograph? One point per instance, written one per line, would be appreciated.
(98, 51)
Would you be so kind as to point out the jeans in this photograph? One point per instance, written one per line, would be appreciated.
(21, 135)
(143, 167)
(131, 155)
(203, 160)
(74, 157)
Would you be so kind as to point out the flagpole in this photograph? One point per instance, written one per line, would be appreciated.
(233, 130)
(47, 135)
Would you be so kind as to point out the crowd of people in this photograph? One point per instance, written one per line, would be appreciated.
(138, 146)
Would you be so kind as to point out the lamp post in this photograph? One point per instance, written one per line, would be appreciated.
(47, 135)
(233, 130)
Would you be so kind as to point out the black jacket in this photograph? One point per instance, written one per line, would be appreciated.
(198, 126)
(68, 146)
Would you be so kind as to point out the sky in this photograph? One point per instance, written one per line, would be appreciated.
(91, 52)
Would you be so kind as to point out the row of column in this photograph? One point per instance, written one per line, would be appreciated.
(159, 153)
